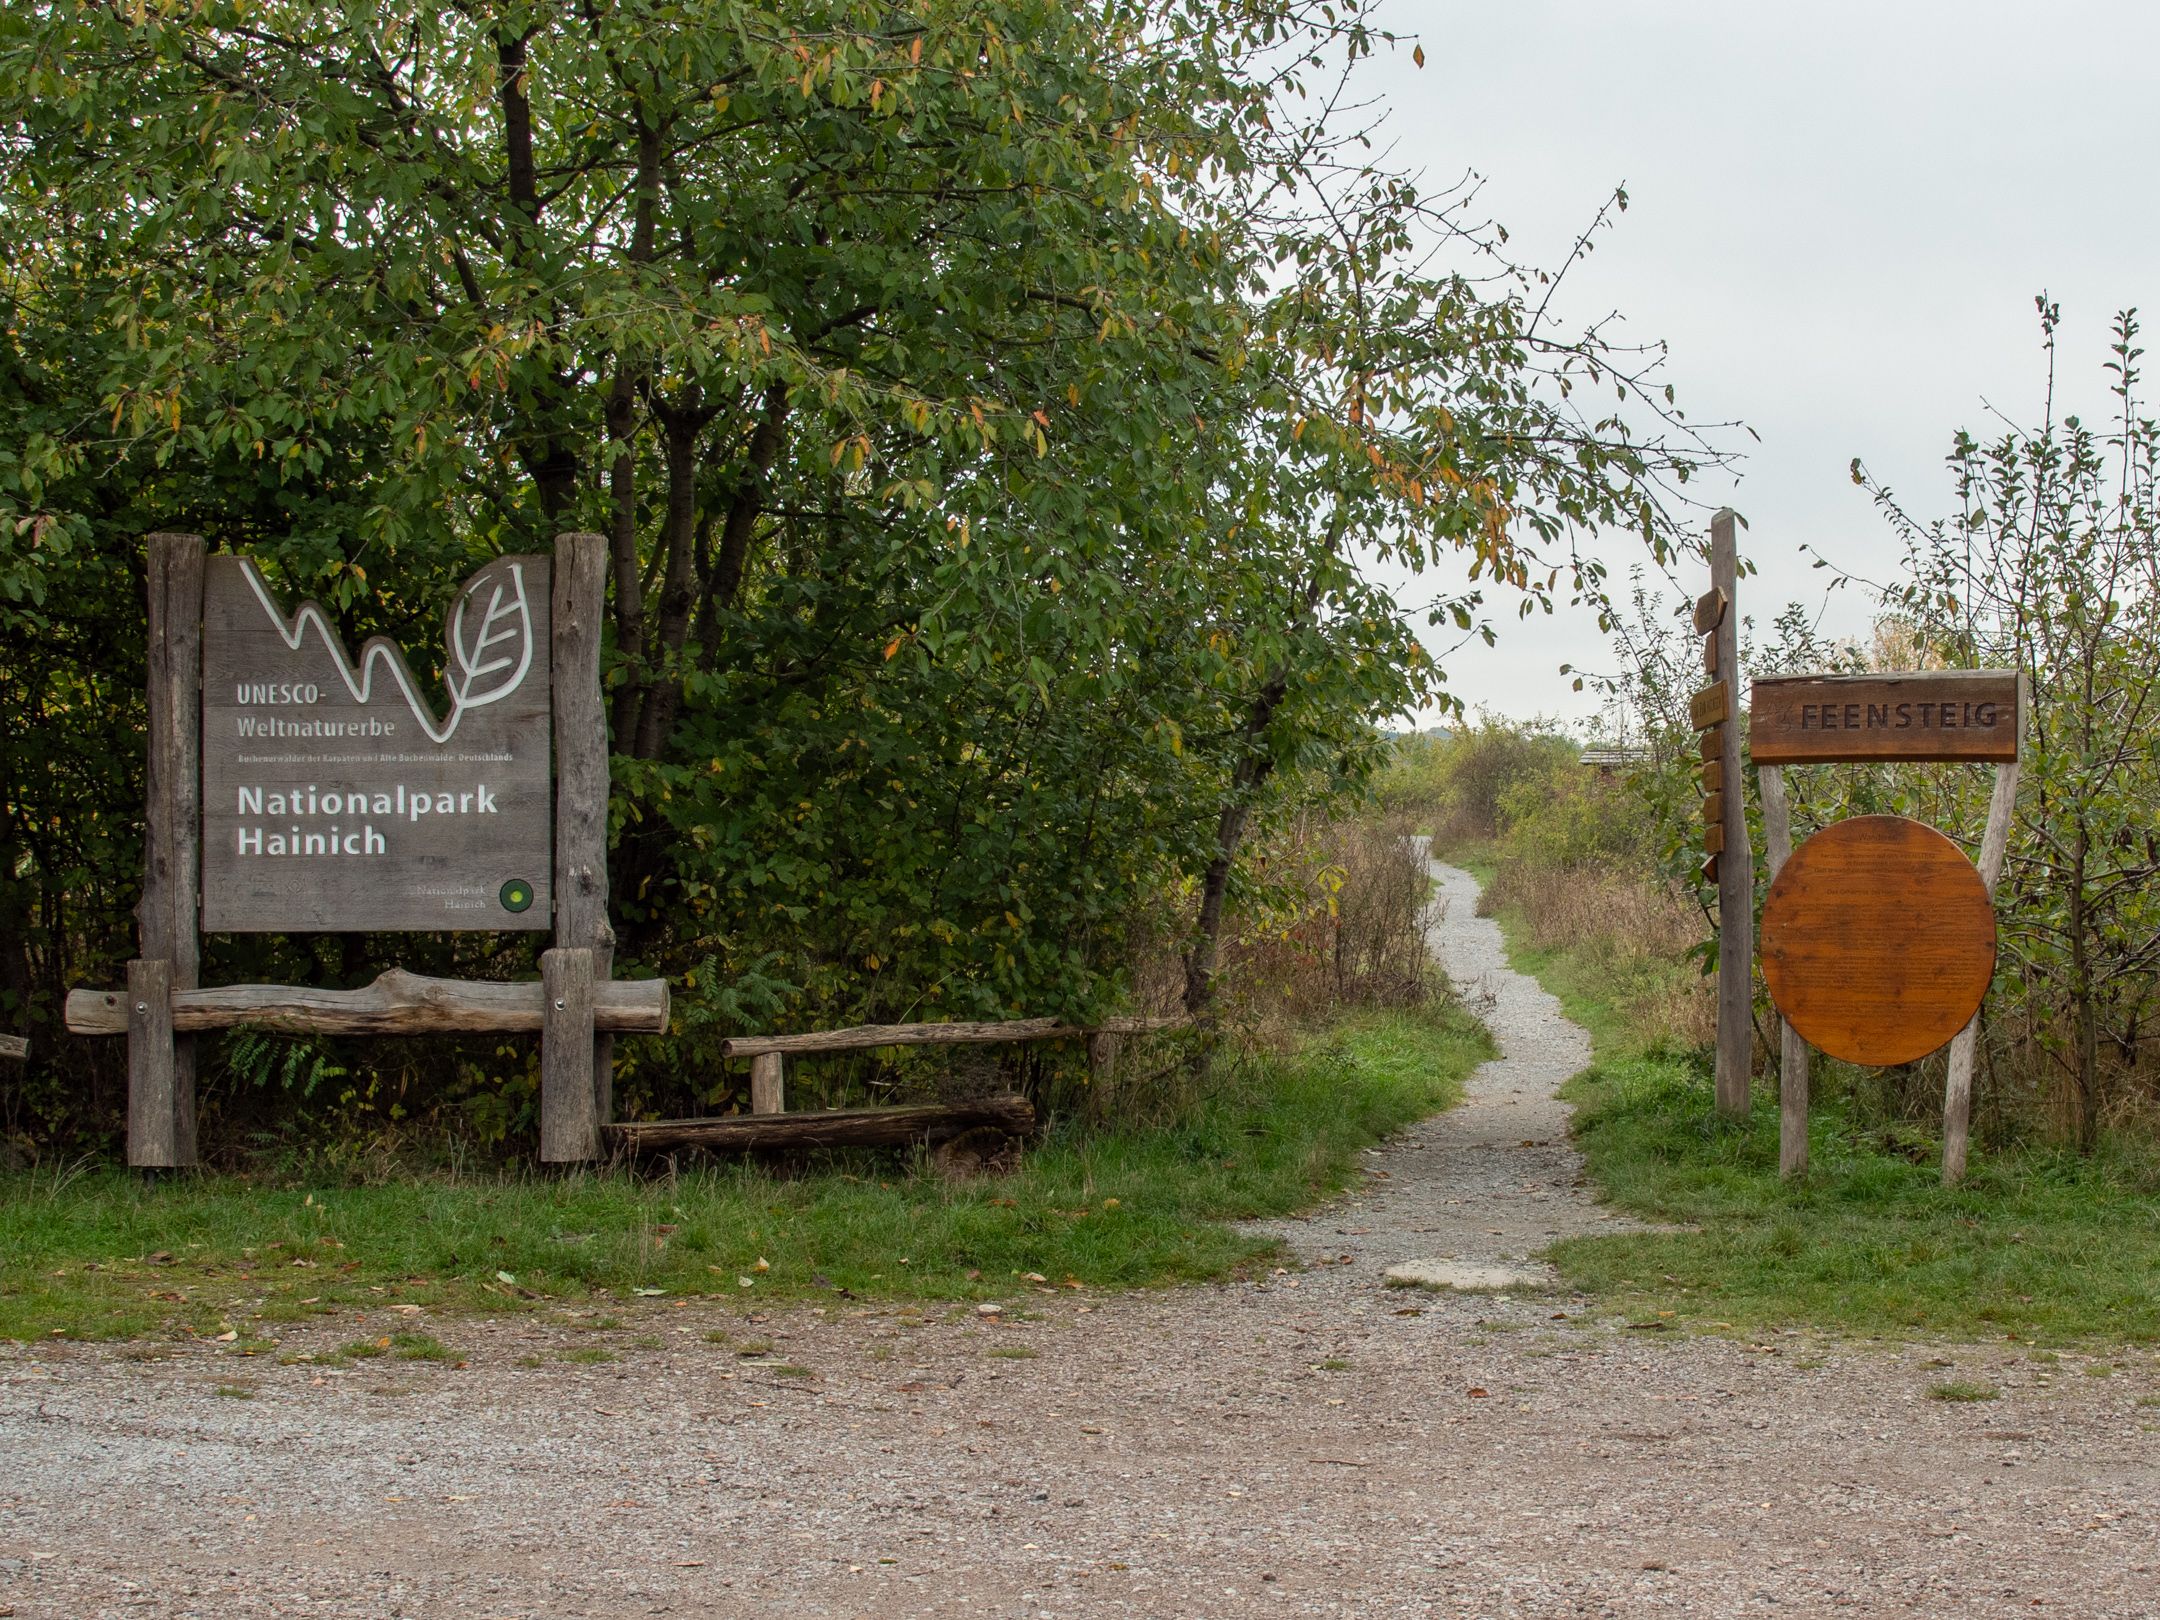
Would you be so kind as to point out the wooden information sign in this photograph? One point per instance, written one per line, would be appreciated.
(1943, 715)
(1878, 940)
(291, 789)
(335, 795)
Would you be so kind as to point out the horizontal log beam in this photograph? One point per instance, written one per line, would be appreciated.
(864, 1037)
(397, 1003)
(14, 1046)
(837, 1127)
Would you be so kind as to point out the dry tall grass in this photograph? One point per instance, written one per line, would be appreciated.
(1633, 928)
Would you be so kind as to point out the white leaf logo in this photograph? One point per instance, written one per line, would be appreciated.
(492, 646)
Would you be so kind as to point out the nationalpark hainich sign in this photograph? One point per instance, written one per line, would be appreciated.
(337, 795)
(1943, 714)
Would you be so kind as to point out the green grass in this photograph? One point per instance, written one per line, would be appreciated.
(2038, 1244)
(1958, 1390)
(104, 1255)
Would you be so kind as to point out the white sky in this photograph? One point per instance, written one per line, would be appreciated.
(1840, 215)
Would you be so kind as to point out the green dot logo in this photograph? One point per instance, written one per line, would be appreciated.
(517, 895)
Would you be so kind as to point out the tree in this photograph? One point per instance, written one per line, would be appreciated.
(987, 405)
(2051, 566)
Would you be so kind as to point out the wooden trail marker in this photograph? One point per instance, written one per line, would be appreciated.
(1943, 715)
(1731, 864)
(1712, 706)
(300, 789)
(1878, 940)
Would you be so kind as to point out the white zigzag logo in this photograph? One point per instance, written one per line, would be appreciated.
(468, 682)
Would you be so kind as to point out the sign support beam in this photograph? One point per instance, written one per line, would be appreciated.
(1793, 1062)
(161, 1065)
(581, 827)
(1957, 1085)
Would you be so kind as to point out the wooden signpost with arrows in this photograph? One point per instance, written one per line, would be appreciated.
(1878, 934)
(1728, 862)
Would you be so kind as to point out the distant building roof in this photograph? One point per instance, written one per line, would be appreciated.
(1612, 756)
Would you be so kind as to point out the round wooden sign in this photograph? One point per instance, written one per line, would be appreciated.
(1878, 940)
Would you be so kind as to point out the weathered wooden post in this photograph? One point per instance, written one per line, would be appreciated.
(1793, 1070)
(576, 1063)
(1731, 863)
(1957, 1084)
(161, 1065)
(768, 1083)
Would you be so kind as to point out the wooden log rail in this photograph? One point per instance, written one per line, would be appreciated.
(14, 1046)
(397, 1003)
(836, 1127)
(863, 1037)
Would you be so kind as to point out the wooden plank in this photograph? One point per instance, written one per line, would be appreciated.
(1878, 940)
(1711, 606)
(581, 775)
(1712, 706)
(569, 1109)
(1793, 1068)
(864, 1037)
(1709, 656)
(768, 1083)
(1713, 745)
(15, 1047)
(397, 1003)
(1713, 810)
(1713, 841)
(1736, 877)
(839, 1127)
(338, 796)
(153, 1119)
(1942, 714)
(1710, 870)
(1957, 1084)
(172, 811)
(1713, 776)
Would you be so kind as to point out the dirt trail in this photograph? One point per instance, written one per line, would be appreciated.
(1493, 1179)
(1308, 1443)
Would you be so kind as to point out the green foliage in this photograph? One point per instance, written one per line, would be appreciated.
(986, 403)
(102, 1255)
(2038, 1243)
(2050, 565)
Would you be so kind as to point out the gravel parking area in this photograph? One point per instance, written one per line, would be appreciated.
(1309, 1442)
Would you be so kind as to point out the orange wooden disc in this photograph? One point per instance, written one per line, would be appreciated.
(1878, 940)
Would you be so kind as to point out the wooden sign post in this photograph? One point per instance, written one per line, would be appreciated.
(294, 789)
(1878, 935)
(1730, 862)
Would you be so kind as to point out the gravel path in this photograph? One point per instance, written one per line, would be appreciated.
(1305, 1443)
(1493, 1179)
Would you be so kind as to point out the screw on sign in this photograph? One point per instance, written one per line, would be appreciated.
(1878, 940)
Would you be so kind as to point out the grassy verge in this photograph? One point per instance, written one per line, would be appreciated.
(101, 1255)
(2037, 1245)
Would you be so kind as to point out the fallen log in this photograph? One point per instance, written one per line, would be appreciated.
(397, 1003)
(862, 1037)
(14, 1046)
(837, 1127)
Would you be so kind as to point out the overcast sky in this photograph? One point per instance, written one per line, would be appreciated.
(1840, 215)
